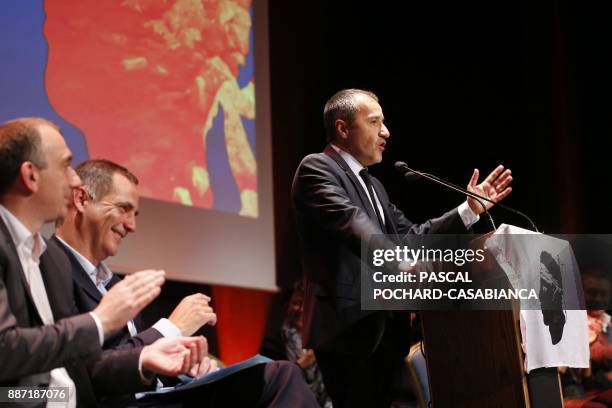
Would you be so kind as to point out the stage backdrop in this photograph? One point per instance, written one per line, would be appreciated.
(177, 91)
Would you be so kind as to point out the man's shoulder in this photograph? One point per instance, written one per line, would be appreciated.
(68, 261)
(55, 258)
(57, 252)
(326, 161)
(54, 245)
(315, 158)
(314, 168)
(57, 246)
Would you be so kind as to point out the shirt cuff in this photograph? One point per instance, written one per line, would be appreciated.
(468, 216)
(167, 328)
(99, 326)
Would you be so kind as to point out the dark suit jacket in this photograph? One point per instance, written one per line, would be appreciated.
(29, 349)
(87, 297)
(333, 215)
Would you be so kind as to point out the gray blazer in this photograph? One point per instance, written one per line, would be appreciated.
(29, 349)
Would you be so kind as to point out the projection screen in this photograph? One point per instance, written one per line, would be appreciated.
(176, 91)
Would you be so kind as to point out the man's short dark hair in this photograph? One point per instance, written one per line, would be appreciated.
(20, 142)
(341, 106)
(97, 176)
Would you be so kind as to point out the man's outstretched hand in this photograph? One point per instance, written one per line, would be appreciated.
(127, 298)
(172, 356)
(495, 187)
(193, 312)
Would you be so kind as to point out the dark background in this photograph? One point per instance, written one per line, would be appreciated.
(462, 85)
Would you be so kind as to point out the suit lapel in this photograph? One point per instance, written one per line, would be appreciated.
(384, 203)
(79, 275)
(57, 282)
(13, 258)
(365, 202)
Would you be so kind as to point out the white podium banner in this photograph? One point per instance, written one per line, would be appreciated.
(553, 336)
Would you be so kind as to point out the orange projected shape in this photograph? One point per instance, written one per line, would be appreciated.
(144, 79)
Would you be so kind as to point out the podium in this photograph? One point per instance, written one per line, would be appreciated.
(474, 359)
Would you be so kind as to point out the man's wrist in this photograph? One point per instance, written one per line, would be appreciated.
(99, 326)
(146, 376)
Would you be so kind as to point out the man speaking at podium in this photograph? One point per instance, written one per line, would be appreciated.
(337, 204)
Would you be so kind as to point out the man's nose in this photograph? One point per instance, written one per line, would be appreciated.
(130, 223)
(384, 132)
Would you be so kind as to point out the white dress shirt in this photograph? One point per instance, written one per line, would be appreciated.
(29, 249)
(468, 216)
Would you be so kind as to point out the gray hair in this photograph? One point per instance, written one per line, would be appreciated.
(341, 106)
(97, 176)
(20, 142)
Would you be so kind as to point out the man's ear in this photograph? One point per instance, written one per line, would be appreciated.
(79, 198)
(342, 129)
(29, 177)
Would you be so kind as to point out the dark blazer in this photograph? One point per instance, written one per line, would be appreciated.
(333, 215)
(87, 297)
(29, 349)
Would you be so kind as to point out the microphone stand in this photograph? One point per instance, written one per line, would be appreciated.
(403, 167)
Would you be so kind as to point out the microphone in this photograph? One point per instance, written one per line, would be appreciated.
(411, 175)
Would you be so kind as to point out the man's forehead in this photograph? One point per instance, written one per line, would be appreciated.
(121, 184)
(51, 138)
(368, 105)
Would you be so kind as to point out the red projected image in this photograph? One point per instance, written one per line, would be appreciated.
(147, 80)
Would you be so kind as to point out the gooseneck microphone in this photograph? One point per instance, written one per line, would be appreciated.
(411, 174)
